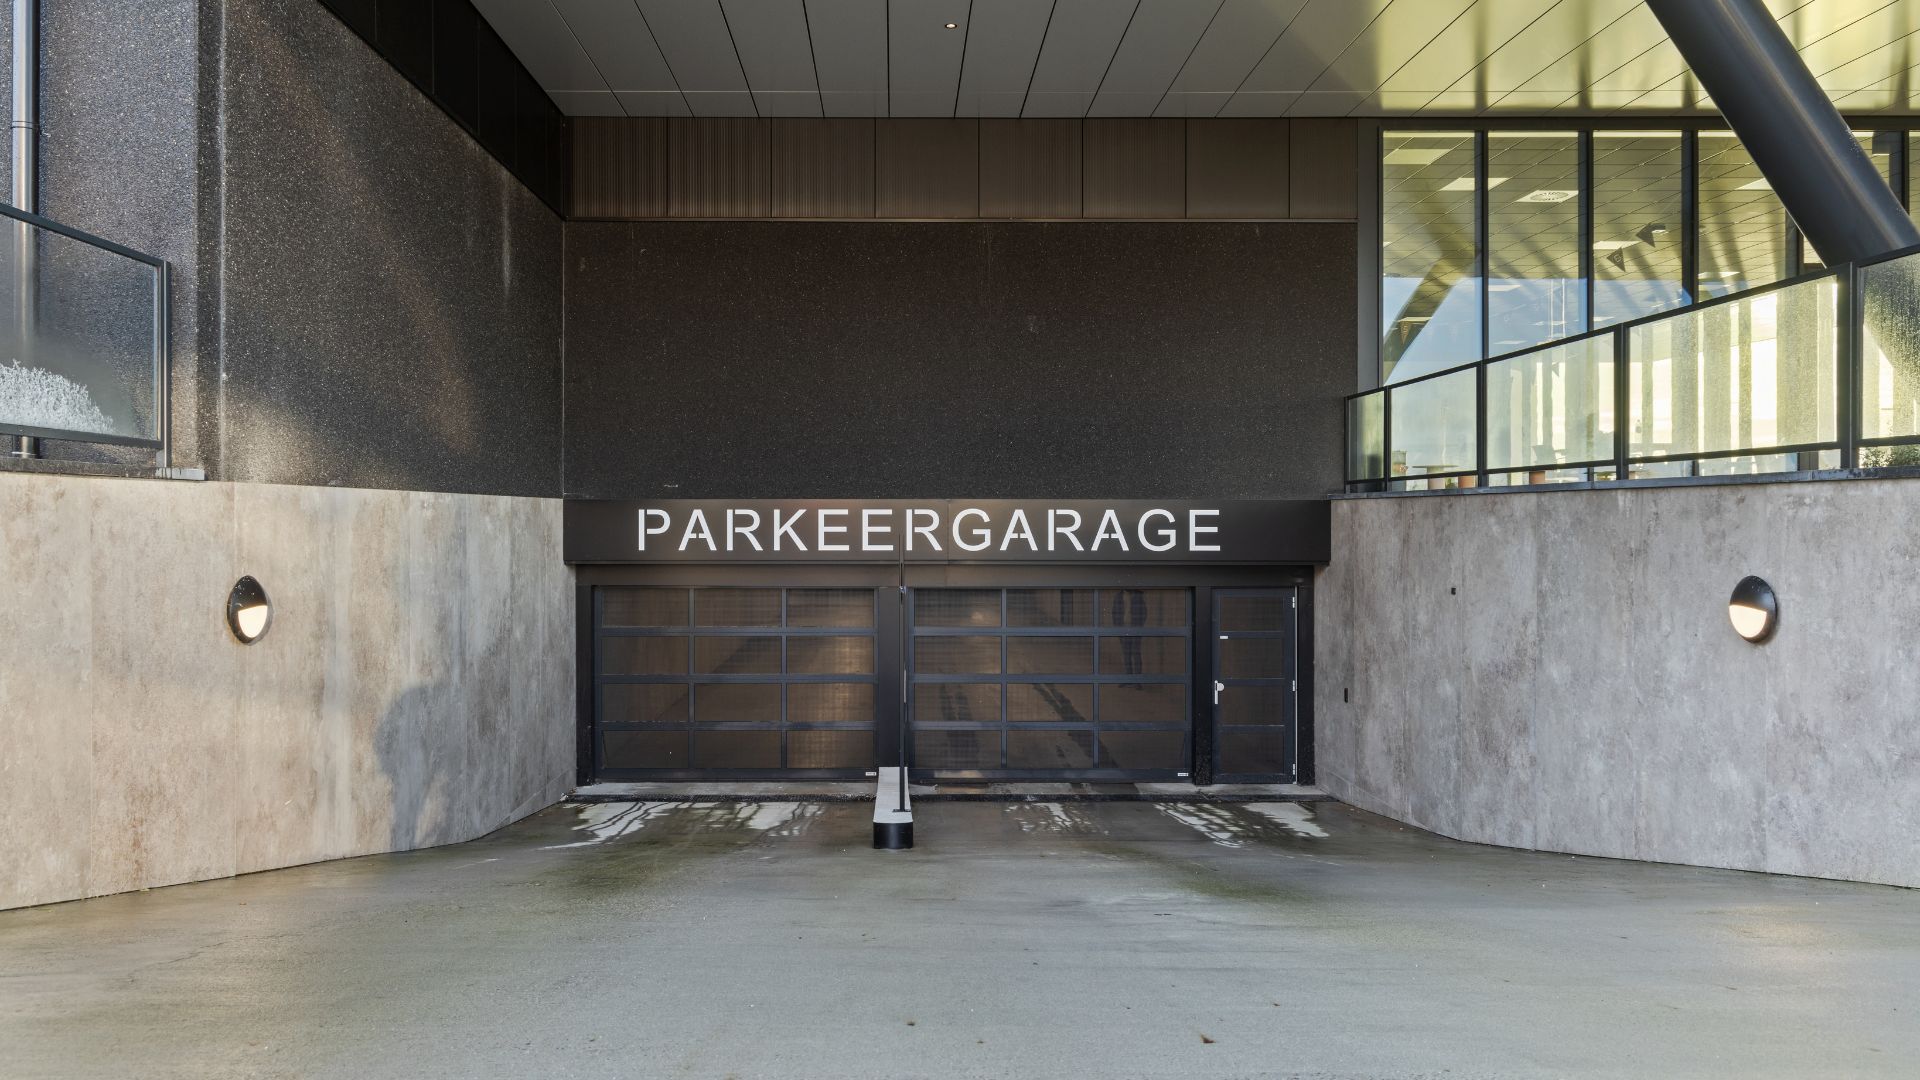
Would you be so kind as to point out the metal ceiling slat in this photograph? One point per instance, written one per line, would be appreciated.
(694, 39)
(775, 54)
(1080, 44)
(850, 55)
(540, 38)
(618, 42)
(1388, 44)
(1233, 45)
(1313, 42)
(924, 55)
(1158, 41)
(1003, 44)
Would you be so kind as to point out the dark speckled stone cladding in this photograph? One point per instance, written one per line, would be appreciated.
(363, 296)
(1003, 359)
(391, 294)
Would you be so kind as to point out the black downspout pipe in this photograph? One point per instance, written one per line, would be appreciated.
(1786, 121)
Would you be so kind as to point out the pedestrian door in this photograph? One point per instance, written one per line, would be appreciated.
(1256, 671)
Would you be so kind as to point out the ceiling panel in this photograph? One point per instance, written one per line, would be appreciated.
(1003, 41)
(1236, 40)
(617, 40)
(1161, 36)
(1167, 58)
(775, 54)
(541, 39)
(850, 55)
(1388, 44)
(926, 40)
(1081, 41)
(1314, 40)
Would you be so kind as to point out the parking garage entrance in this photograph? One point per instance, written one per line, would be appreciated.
(1064, 669)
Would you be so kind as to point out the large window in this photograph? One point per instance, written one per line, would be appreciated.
(1535, 290)
(1430, 274)
(1493, 242)
(1639, 265)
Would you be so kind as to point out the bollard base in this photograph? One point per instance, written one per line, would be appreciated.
(892, 835)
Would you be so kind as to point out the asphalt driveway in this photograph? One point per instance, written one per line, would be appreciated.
(1041, 940)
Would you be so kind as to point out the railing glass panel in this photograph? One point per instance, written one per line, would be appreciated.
(1890, 364)
(81, 351)
(1551, 408)
(1367, 434)
(1434, 426)
(1755, 373)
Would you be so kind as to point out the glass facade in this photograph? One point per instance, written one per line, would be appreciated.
(1495, 241)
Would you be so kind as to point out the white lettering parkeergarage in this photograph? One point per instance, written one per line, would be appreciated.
(1027, 529)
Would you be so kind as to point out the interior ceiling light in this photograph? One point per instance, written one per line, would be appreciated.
(1613, 245)
(953, 26)
(1465, 183)
(1651, 232)
(1547, 195)
(1756, 185)
(1753, 609)
(1413, 155)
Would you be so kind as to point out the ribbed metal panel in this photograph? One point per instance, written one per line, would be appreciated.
(822, 168)
(717, 167)
(1135, 168)
(927, 168)
(619, 167)
(1237, 168)
(1323, 169)
(1030, 168)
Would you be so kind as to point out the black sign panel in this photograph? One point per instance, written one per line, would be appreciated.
(947, 531)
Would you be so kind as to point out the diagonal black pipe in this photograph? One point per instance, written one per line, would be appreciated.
(1797, 138)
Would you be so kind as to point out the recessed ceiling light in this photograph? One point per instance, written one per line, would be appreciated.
(1465, 183)
(953, 26)
(1415, 156)
(1547, 196)
(1756, 185)
(1613, 245)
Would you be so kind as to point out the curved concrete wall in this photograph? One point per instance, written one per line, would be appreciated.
(416, 687)
(1556, 671)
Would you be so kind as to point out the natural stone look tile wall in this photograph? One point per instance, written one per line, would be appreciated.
(1582, 690)
(416, 687)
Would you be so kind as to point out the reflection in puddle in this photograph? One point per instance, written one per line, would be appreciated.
(602, 822)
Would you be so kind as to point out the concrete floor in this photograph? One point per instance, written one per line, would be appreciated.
(1019, 940)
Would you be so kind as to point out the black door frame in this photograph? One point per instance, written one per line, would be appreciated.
(1202, 580)
(1300, 689)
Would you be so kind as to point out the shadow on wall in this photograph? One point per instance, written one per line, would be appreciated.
(417, 780)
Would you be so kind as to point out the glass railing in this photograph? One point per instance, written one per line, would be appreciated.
(1818, 372)
(83, 337)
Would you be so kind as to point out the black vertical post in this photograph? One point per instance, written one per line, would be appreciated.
(1201, 714)
(1621, 385)
(1690, 215)
(1851, 309)
(1483, 262)
(1587, 197)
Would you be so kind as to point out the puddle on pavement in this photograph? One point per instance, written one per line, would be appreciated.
(601, 822)
(1237, 825)
(1051, 818)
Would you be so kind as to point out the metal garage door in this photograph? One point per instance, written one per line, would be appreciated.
(734, 681)
(1077, 683)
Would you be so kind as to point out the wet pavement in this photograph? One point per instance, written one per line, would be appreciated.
(1031, 939)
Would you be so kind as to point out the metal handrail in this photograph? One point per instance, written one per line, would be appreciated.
(162, 360)
(1848, 277)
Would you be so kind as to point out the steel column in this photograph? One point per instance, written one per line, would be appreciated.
(1786, 121)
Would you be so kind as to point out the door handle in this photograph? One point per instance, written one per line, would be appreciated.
(1217, 687)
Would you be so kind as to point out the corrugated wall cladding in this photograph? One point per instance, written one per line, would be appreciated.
(708, 167)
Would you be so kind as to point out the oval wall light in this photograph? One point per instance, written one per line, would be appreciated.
(1753, 609)
(249, 612)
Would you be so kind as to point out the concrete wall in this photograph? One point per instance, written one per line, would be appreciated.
(416, 687)
(1556, 671)
(985, 360)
